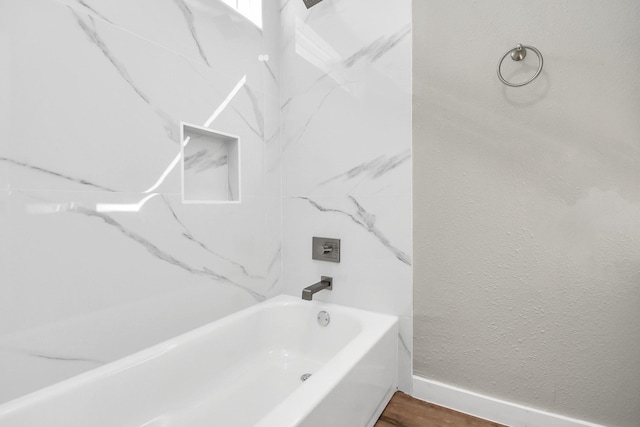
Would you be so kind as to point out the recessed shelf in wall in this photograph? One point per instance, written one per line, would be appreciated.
(210, 165)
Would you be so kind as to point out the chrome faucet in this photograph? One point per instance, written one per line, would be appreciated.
(324, 283)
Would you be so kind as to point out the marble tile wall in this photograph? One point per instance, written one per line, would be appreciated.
(98, 256)
(346, 153)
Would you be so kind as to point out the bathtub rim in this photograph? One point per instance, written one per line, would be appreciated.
(296, 407)
(158, 350)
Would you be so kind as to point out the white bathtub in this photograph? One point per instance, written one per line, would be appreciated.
(242, 370)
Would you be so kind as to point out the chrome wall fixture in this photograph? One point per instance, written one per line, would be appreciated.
(518, 54)
(325, 249)
(310, 3)
(324, 283)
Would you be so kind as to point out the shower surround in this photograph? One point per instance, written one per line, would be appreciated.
(98, 256)
(346, 153)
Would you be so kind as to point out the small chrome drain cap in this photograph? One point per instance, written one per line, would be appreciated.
(323, 318)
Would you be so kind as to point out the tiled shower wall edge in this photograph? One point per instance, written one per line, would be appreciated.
(346, 154)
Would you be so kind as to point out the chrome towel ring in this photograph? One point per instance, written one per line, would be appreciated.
(518, 54)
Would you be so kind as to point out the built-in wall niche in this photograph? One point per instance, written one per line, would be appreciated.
(210, 165)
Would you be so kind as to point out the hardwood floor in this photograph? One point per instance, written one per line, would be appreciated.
(405, 411)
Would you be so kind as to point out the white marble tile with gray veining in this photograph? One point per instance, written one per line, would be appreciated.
(119, 272)
(130, 247)
(206, 170)
(141, 90)
(346, 89)
(204, 31)
(4, 176)
(346, 153)
(48, 353)
(375, 270)
(90, 164)
(376, 248)
(364, 219)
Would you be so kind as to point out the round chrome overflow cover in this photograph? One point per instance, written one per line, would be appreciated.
(304, 377)
(323, 318)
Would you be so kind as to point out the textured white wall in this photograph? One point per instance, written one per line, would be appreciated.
(527, 204)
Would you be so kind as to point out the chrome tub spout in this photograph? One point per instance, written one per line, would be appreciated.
(324, 283)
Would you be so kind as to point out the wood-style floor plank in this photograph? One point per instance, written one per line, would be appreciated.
(405, 411)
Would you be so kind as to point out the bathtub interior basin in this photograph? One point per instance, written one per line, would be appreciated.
(246, 369)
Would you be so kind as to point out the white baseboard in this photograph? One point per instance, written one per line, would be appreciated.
(486, 407)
